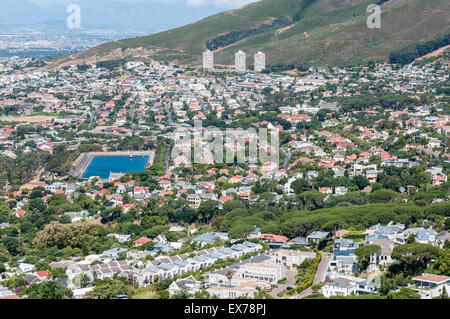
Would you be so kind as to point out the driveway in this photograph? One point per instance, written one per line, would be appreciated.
(290, 282)
(320, 276)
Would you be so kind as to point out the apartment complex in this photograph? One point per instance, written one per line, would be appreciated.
(260, 62)
(208, 60)
(262, 272)
(292, 258)
(240, 61)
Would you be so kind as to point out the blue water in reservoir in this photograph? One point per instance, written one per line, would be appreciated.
(102, 166)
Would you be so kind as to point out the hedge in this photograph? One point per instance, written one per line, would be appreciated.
(310, 281)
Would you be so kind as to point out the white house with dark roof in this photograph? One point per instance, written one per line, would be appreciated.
(346, 285)
(210, 238)
(423, 236)
(189, 284)
(393, 232)
(384, 257)
(291, 258)
(343, 265)
(317, 236)
(122, 238)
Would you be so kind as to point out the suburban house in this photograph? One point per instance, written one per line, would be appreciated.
(299, 242)
(141, 241)
(189, 284)
(430, 286)
(210, 238)
(384, 258)
(423, 236)
(113, 253)
(343, 265)
(317, 236)
(194, 200)
(292, 258)
(122, 238)
(391, 232)
(442, 237)
(5, 293)
(25, 268)
(274, 241)
(340, 191)
(255, 234)
(246, 289)
(344, 247)
(346, 285)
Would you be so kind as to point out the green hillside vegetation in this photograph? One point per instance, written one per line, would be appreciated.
(299, 223)
(413, 51)
(316, 32)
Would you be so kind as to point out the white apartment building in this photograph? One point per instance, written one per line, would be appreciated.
(208, 60)
(292, 258)
(262, 272)
(260, 62)
(240, 61)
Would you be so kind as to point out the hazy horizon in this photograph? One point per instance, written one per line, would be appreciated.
(148, 15)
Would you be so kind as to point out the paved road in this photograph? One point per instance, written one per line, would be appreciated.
(93, 116)
(132, 115)
(168, 112)
(290, 282)
(287, 158)
(320, 276)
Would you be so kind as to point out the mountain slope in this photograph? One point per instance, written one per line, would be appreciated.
(317, 32)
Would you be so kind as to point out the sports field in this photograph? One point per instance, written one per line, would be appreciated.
(27, 119)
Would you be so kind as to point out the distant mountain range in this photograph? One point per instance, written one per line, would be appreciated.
(149, 16)
(315, 32)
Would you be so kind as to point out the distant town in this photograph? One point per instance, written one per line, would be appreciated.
(43, 41)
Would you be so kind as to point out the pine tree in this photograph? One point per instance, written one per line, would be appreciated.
(444, 294)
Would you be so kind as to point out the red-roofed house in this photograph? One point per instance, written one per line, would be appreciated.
(325, 190)
(32, 185)
(141, 241)
(43, 274)
(224, 199)
(274, 238)
(235, 179)
(20, 213)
